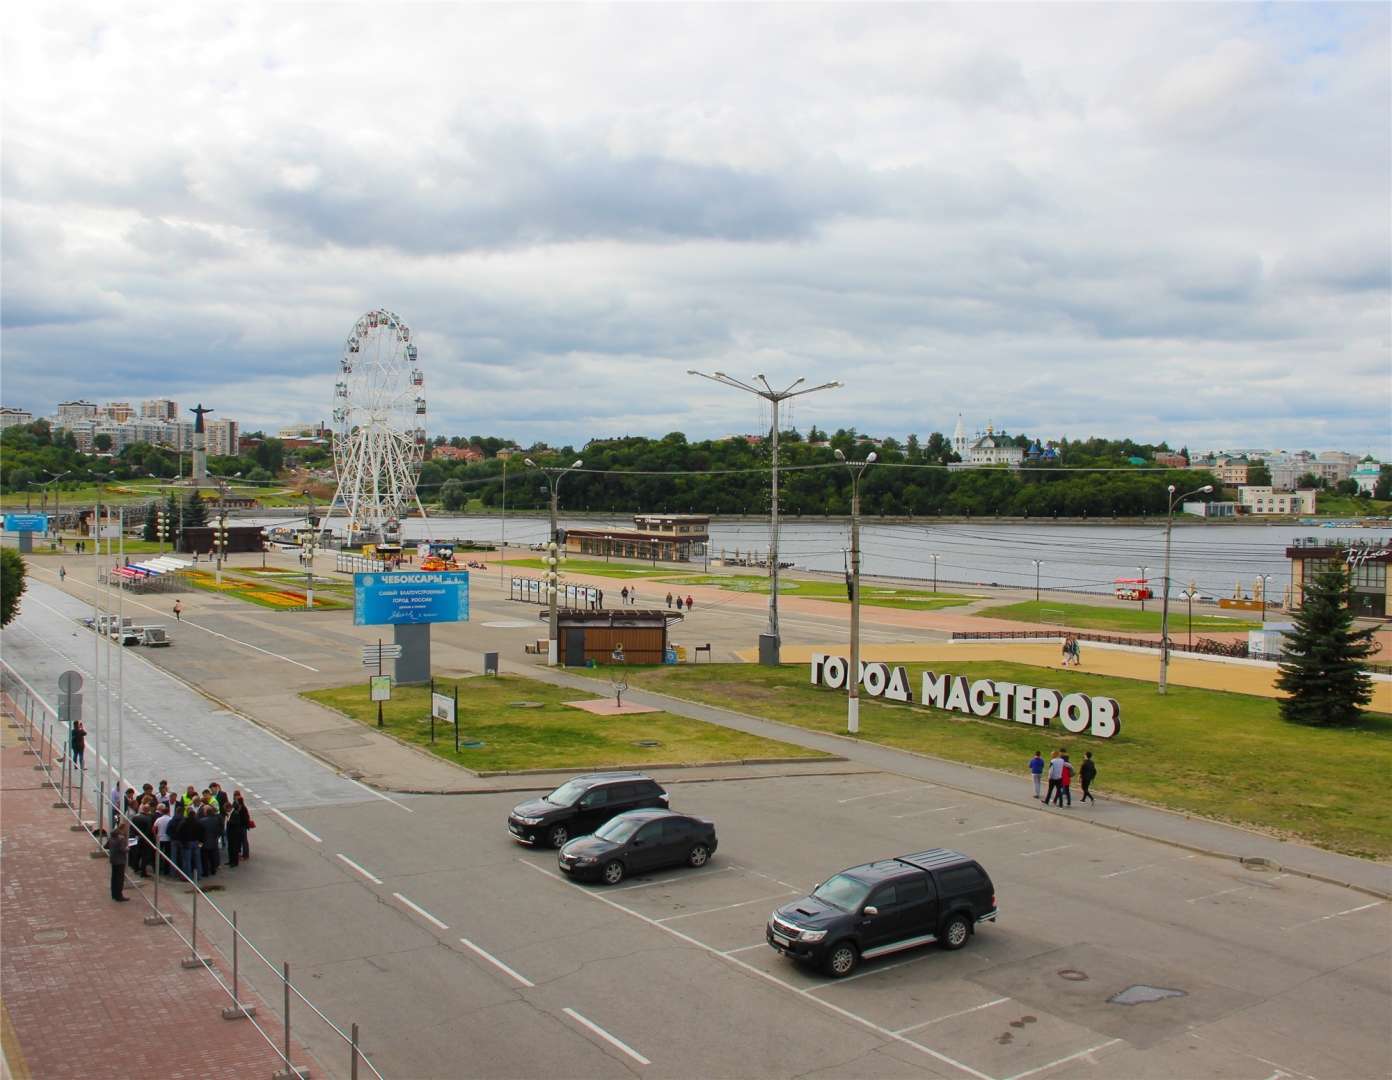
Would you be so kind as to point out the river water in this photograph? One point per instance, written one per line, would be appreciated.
(1218, 558)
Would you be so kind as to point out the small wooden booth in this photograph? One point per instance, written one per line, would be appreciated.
(593, 635)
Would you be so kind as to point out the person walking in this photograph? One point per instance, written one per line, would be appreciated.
(599, 598)
(178, 611)
(624, 594)
(633, 596)
(117, 846)
(1065, 790)
(1055, 773)
(62, 574)
(689, 601)
(238, 822)
(669, 599)
(77, 742)
(1036, 768)
(1077, 653)
(1087, 774)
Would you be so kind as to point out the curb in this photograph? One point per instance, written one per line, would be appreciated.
(646, 766)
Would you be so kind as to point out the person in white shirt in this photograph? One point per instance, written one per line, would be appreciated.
(162, 837)
(1055, 775)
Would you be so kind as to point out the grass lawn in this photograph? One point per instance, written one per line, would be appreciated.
(1346, 506)
(834, 591)
(551, 736)
(1088, 617)
(1223, 756)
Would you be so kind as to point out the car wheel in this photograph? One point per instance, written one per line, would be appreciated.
(954, 933)
(557, 836)
(700, 855)
(613, 872)
(842, 959)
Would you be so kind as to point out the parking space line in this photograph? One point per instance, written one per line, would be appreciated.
(420, 911)
(745, 948)
(1129, 870)
(950, 1016)
(916, 813)
(297, 825)
(724, 907)
(1337, 914)
(669, 880)
(758, 973)
(988, 828)
(607, 1037)
(1076, 843)
(1223, 892)
(496, 962)
(370, 877)
(1064, 1061)
(867, 974)
(891, 791)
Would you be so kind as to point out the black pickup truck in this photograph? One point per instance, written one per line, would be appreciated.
(883, 907)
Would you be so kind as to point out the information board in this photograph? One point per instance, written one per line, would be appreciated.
(26, 523)
(411, 598)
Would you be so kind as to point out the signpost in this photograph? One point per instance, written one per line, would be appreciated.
(26, 525)
(409, 602)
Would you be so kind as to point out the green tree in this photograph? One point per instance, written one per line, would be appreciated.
(157, 465)
(102, 441)
(270, 455)
(1384, 485)
(151, 528)
(1259, 475)
(12, 584)
(1323, 670)
(195, 511)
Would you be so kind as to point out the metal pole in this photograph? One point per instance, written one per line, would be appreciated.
(853, 706)
(432, 710)
(288, 1067)
(502, 566)
(353, 1072)
(195, 923)
(773, 538)
(554, 646)
(236, 997)
(121, 665)
(1165, 600)
(456, 717)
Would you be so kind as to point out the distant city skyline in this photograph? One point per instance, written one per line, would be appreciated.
(1146, 221)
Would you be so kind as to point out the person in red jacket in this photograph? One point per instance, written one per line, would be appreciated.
(1065, 783)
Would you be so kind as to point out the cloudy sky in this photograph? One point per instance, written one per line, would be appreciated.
(1165, 221)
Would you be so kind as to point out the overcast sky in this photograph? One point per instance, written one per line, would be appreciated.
(1163, 221)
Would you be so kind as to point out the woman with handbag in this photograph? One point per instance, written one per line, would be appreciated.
(238, 823)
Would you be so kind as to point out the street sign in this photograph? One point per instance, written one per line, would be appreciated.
(373, 655)
(381, 687)
(26, 523)
(70, 682)
(442, 707)
(405, 598)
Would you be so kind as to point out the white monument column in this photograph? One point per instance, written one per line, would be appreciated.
(200, 446)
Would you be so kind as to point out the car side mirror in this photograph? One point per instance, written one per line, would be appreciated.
(871, 911)
(816, 886)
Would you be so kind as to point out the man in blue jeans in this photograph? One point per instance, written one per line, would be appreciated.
(1036, 766)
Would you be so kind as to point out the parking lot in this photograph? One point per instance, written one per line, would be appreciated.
(461, 952)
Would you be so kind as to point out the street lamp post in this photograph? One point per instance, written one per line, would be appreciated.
(1143, 571)
(1037, 564)
(1188, 595)
(774, 398)
(856, 469)
(553, 476)
(220, 543)
(1265, 580)
(45, 486)
(1165, 601)
(935, 572)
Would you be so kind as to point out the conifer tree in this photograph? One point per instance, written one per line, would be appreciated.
(1323, 669)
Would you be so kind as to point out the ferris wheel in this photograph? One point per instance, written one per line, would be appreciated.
(379, 427)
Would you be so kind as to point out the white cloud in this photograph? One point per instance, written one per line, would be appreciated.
(1164, 221)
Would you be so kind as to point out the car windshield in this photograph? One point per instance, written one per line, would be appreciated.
(617, 830)
(567, 793)
(844, 892)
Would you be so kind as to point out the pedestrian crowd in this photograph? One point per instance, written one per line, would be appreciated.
(159, 828)
(1072, 651)
(679, 601)
(1060, 771)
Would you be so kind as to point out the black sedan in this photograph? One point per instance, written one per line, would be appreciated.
(639, 840)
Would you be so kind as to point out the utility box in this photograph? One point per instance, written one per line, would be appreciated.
(490, 663)
(768, 649)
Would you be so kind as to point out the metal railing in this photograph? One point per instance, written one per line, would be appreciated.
(49, 740)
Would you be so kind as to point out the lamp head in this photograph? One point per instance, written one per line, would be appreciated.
(870, 458)
(529, 461)
(577, 465)
(1208, 488)
(839, 456)
(689, 371)
(1172, 489)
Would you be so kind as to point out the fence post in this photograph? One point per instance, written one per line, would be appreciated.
(353, 1075)
(289, 1072)
(195, 960)
(236, 1010)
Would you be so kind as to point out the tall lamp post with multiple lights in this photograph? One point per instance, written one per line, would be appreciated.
(1037, 564)
(769, 641)
(856, 469)
(1165, 600)
(553, 477)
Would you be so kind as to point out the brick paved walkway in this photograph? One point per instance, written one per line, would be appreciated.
(110, 998)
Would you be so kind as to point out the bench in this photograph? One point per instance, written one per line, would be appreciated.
(696, 659)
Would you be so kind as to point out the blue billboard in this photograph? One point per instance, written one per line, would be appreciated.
(411, 598)
(26, 523)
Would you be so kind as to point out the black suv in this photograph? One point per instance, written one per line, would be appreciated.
(639, 840)
(580, 806)
(883, 907)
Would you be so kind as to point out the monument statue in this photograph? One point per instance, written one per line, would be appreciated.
(200, 445)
